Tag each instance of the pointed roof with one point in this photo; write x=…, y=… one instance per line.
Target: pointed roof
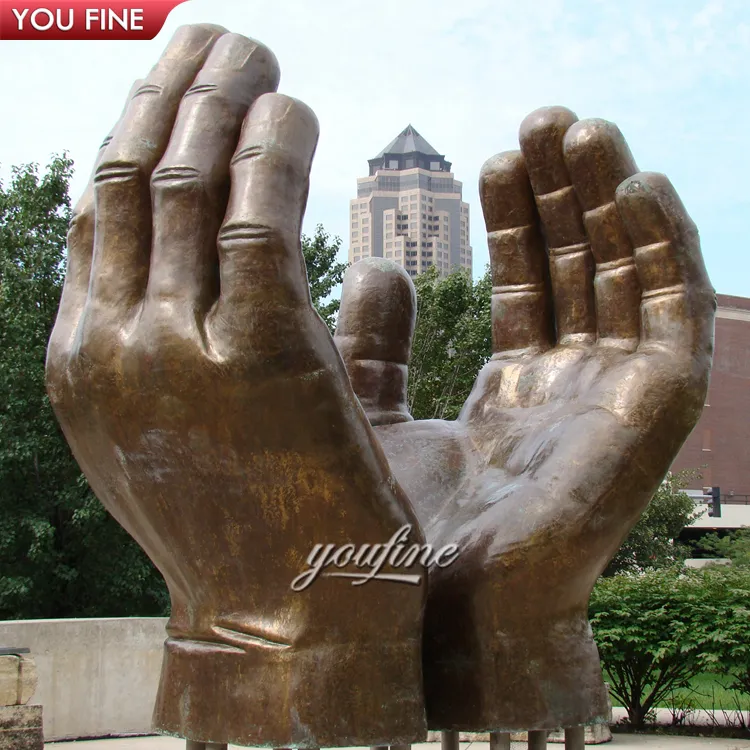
x=407, y=142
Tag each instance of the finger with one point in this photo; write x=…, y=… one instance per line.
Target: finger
x=678, y=298
x=373, y=335
x=570, y=259
x=521, y=303
x=80, y=247
x=262, y=270
x=598, y=160
x=190, y=186
x=122, y=184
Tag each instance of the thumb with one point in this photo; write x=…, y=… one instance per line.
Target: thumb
x=374, y=334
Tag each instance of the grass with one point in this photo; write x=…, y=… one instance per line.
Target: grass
x=708, y=692
x=712, y=691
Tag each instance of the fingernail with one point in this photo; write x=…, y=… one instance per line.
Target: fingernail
x=598, y=160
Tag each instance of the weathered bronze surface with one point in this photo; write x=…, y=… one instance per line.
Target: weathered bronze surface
x=213, y=415
x=211, y=412
x=602, y=333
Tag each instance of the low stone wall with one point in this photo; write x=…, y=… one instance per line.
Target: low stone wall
x=96, y=677
x=99, y=677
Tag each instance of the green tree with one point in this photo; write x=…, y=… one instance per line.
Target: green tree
x=452, y=341
x=658, y=630
x=735, y=546
x=61, y=553
x=732, y=620
x=653, y=542
x=323, y=272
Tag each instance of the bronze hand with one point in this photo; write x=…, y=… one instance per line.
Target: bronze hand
x=210, y=411
x=602, y=331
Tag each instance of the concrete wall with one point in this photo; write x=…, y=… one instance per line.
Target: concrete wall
x=96, y=677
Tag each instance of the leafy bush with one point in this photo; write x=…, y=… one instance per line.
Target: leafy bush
x=659, y=629
x=731, y=594
x=735, y=546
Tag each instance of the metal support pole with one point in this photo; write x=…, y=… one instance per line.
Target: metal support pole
x=538, y=740
x=499, y=741
x=575, y=738
x=400, y=747
x=449, y=740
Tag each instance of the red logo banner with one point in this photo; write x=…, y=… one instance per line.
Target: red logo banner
x=84, y=19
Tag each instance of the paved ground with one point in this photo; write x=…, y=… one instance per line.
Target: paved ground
x=618, y=741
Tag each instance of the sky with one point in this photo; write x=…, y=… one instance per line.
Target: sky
x=673, y=74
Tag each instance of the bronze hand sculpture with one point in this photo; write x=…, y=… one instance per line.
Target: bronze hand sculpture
x=207, y=404
x=602, y=333
x=213, y=416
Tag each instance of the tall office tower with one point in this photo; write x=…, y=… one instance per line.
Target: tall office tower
x=409, y=209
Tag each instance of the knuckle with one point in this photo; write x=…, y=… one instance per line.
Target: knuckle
x=201, y=88
x=148, y=88
x=117, y=170
x=176, y=175
x=105, y=143
x=245, y=232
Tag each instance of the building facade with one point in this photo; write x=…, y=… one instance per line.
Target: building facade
x=409, y=209
x=719, y=446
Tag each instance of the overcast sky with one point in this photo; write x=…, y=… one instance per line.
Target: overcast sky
x=673, y=74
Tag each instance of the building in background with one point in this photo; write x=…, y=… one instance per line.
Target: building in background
x=720, y=443
x=409, y=209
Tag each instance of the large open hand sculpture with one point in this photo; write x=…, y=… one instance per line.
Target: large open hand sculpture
x=212, y=414
x=602, y=333
x=208, y=406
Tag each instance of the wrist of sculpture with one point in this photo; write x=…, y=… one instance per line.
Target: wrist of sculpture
x=328, y=695
x=474, y=684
